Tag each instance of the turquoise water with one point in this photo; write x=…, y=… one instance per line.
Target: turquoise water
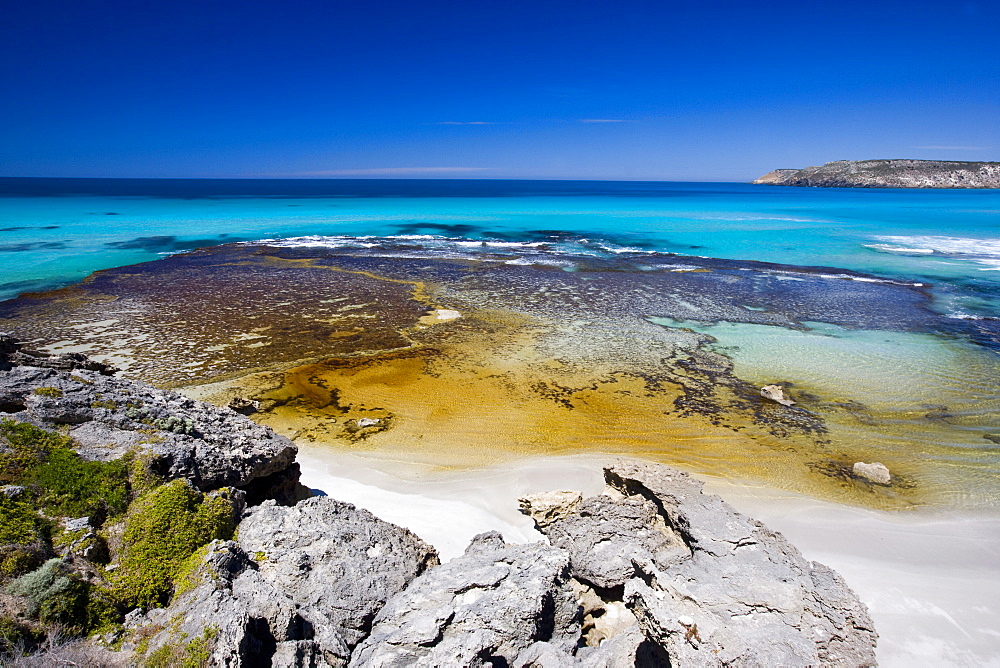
x=57, y=231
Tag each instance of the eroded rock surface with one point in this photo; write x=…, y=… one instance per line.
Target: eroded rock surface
x=108, y=416
x=244, y=619
x=337, y=561
x=744, y=595
x=547, y=507
x=481, y=609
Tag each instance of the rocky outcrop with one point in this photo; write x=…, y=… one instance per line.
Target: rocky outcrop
x=889, y=174
x=482, y=609
x=744, y=595
x=108, y=416
x=339, y=562
x=606, y=535
x=299, y=588
x=241, y=618
x=653, y=572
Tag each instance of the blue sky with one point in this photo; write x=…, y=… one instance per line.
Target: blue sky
x=627, y=90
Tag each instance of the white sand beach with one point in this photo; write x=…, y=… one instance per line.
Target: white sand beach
x=930, y=580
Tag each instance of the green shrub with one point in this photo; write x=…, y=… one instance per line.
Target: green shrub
x=29, y=446
x=16, y=637
x=19, y=523
x=103, y=611
x=66, y=483
x=194, y=654
x=72, y=486
x=54, y=595
x=53, y=392
x=25, y=537
x=163, y=528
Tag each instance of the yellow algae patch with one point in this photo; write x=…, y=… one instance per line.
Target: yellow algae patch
x=488, y=394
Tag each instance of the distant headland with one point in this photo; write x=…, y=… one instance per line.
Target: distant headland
x=889, y=174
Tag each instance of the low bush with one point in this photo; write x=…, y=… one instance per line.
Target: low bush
x=163, y=528
x=65, y=484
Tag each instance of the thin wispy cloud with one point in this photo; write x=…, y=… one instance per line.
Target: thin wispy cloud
x=950, y=148
x=606, y=120
x=463, y=123
x=392, y=171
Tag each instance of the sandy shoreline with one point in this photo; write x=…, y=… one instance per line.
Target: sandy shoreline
x=931, y=581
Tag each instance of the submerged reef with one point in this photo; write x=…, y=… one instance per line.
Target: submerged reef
x=178, y=564
x=407, y=349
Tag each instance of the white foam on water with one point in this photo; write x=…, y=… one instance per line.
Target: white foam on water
x=901, y=250
x=981, y=251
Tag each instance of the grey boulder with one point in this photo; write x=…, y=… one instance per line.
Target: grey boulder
x=481, y=609
x=339, y=564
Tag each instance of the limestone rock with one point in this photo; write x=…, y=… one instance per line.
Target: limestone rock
x=547, y=507
x=108, y=416
x=605, y=535
x=602, y=619
x=242, y=619
x=339, y=564
x=481, y=609
x=776, y=393
x=876, y=472
x=708, y=586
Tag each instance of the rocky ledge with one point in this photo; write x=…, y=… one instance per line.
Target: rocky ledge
x=889, y=174
x=205, y=566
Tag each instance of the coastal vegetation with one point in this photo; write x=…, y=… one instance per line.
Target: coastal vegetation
x=64, y=518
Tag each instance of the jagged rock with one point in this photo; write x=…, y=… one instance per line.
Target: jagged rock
x=547, y=507
x=602, y=619
x=876, y=472
x=338, y=563
x=605, y=535
x=481, y=609
x=776, y=393
x=625, y=650
x=243, y=619
x=283, y=487
x=244, y=406
x=108, y=416
x=744, y=596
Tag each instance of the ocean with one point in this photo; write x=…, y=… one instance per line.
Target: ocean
x=881, y=305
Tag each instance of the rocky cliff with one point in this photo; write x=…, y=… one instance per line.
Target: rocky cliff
x=889, y=174
x=211, y=556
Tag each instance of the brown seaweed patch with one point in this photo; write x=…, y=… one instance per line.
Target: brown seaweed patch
x=221, y=312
